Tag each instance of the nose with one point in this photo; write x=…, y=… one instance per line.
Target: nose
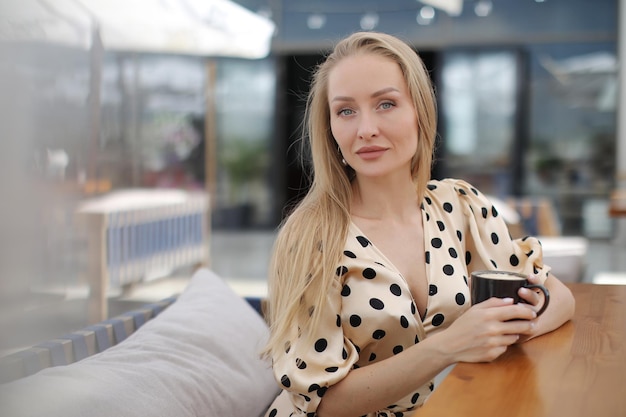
x=368, y=127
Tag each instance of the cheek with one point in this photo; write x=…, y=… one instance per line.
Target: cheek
x=413, y=137
x=340, y=131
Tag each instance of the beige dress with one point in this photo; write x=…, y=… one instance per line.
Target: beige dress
x=371, y=314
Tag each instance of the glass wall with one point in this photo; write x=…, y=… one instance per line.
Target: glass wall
x=155, y=110
x=152, y=121
x=537, y=121
x=571, y=152
x=245, y=117
x=479, y=107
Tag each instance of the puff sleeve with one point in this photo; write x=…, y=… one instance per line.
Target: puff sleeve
x=489, y=244
x=315, y=358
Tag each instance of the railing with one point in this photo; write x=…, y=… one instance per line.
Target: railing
x=138, y=235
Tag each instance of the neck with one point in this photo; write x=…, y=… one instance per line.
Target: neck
x=374, y=199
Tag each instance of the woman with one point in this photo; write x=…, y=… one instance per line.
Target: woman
x=368, y=295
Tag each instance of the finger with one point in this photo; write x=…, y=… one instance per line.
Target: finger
x=515, y=312
x=499, y=345
x=495, y=302
x=518, y=327
x=534, y=279
x=510, y=339
x=529, y=296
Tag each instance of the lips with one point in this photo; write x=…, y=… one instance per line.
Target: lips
x=370, y=152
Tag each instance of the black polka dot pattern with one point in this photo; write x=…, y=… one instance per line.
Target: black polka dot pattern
x=378, y=334
x=363, y=241
x=369, y=273
x=395, y=290
x=460, y=298
x=432, y=289
x=372, y=315
x=355, y=320
x=438, y=319
x=321, y=345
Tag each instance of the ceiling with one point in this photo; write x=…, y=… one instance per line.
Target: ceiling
x=314, y=25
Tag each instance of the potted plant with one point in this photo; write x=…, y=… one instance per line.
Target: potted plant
x=244, y=162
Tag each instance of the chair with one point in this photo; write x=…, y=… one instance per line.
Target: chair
x=536, y=216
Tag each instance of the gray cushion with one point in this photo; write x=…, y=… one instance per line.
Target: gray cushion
x=200, y=357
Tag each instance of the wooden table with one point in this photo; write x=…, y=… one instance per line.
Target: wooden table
x=577, y=370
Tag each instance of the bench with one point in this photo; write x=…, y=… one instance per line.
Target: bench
x=192, y=355
x=75, y=346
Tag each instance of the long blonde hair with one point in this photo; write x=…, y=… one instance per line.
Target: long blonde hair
x=310, y=243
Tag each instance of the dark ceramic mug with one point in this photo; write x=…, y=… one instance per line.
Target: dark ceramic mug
x=502, y=284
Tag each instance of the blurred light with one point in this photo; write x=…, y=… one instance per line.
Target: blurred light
x=539, y=1
x=452, y=7
x=369, y=21
x=483, y=8
x=316, y=21
x=426, y=15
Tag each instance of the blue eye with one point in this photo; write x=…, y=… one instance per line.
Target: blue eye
x=386, y=105
x=345, y=112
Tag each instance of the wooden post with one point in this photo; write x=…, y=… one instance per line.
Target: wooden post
x=97, y=302
x=210, y=149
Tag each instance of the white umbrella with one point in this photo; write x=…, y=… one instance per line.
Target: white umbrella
x=34, y=21
x=248, y=32
x=192, y=27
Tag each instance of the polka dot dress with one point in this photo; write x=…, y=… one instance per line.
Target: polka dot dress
x=371, y=314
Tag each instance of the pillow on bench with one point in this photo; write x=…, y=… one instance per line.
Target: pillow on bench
x=199, y=357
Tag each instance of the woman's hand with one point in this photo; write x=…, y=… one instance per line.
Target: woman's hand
x=560, y=309
x=485, y=331
x=532, y=299
x=531, y=296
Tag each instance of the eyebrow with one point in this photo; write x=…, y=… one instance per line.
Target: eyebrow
x=374, y=95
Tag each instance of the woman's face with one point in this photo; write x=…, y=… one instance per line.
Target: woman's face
x=372, y=116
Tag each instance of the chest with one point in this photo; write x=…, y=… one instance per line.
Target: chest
x=403, y=246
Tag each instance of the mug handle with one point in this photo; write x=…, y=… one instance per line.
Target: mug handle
x=546, y=294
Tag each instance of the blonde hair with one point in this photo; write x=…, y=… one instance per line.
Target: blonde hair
x=310, y=243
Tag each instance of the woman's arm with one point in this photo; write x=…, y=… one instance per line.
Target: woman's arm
x=481, y=334
x=559, y=311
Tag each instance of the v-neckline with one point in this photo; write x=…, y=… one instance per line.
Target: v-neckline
x=388, y=264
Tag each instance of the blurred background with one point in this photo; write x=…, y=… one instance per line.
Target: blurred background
x=143, y=138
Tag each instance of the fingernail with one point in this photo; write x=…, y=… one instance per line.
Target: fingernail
x=507, y=300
